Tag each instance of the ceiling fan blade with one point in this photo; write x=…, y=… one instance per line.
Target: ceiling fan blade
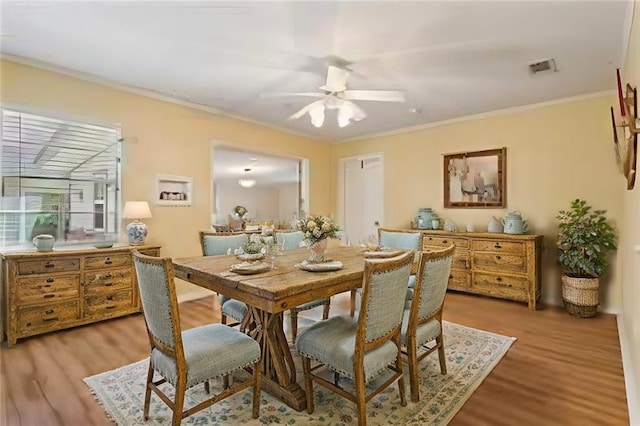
x=336, y=80
x=374, y=95
x=306, y=109
x=288, y=94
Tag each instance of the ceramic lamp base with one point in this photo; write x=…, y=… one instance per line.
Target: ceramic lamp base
x=136, y=233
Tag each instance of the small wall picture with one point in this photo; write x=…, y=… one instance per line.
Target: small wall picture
x=476, y=179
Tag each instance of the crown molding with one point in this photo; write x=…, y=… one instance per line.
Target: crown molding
x=91, y=78
x=480, y=116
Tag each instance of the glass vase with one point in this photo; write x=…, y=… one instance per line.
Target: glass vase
x=317, y=251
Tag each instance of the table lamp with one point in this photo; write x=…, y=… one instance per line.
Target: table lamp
x=136, y=230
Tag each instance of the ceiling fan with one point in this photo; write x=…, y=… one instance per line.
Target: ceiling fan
x=334, y=95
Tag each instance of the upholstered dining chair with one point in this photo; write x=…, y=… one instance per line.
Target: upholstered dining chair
x=289, y=241
x=187, y=358
x=398, y=240
x=363, y=348
x=422, y=322
x=214, y=244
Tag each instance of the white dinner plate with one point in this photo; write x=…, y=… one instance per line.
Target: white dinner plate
x=332, y=265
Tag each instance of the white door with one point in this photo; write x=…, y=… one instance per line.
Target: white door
x=362, y=198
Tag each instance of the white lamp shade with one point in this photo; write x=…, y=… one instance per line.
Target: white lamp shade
x=136, y=210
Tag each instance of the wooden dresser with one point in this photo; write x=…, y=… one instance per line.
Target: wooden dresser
x=499, y=265
x=47, y=291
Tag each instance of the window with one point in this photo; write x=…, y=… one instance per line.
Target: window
x=58, y=177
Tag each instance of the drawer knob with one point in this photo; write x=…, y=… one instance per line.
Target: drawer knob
x=444, y=241
x=49, y=265
x=106, y=277
x=498, y=257
x=49, y=311
x=109, y=297
x=108, y=261
x=450, y=277
x=498, y=246
x=49, y=296
x=108, y=284
x=50, y=280
x=499, y=279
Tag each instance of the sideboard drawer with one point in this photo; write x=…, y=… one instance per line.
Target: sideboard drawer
x=498, y=246
x=511, y=287
x=29, y=267
x=107, y=261
x=459, y=280
x=460, y=260
x=107, y=280
x=38, y=319
x=48, y=288
x=429, y=241
x=112, y=303
x=499, y=261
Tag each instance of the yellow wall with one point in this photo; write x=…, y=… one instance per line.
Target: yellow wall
x=554, y=154
x=631, y=237
x=169, y=139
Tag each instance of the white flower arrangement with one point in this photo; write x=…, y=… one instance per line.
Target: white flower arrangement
x=318, y=228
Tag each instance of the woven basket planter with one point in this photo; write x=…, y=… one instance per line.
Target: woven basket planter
x=581, y=296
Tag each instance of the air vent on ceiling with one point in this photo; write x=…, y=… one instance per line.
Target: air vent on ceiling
x=546, y=65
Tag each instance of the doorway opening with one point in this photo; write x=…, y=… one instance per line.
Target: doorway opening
x=273, y=189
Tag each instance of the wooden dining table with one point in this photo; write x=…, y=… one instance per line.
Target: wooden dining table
x=268, y=295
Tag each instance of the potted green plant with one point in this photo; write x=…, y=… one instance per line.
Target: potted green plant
x=46, y=223
x=585, y=236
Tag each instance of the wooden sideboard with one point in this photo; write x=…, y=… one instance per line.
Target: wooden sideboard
x=48, y=291
x=499, y=265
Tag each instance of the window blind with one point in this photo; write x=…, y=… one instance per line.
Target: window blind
x=57, y=170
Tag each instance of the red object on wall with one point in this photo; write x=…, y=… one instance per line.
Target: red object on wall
x=622, y=109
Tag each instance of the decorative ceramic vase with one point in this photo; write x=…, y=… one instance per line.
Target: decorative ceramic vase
x=495, y=225
x=317, y=251
x=136, y=233
x=424, y=218
x=513, y=223
x=44, y=242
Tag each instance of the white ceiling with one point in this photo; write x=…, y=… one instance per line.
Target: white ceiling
x=451, y=58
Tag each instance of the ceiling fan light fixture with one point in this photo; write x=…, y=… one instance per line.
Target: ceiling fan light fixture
x=246, y=181
x=317, y=115
x=345, y=114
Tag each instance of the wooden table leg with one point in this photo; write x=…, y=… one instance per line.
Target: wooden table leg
x=278, y=368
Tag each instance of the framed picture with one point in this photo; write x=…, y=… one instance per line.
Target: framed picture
x=476, y=179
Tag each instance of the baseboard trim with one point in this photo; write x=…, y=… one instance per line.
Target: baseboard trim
x=631, y=378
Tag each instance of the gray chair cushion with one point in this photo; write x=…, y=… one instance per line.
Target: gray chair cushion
x=332, y=343
x=210, y=351
x=425, y=332
x=235, y=309
x=310, y=305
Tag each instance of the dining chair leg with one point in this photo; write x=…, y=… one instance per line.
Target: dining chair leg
x=412, y=360
x=403, y=396
x=441, y=356
x=178, y=403
x=257, y=377
x=308, y=383
x=147, y=393
x=352, y=307
x=361, y=402
x=223, y=319
x=294, y=325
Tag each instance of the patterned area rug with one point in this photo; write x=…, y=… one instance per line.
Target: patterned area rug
x=471, y=355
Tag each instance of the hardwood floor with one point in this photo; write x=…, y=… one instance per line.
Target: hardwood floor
x=561, y=370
